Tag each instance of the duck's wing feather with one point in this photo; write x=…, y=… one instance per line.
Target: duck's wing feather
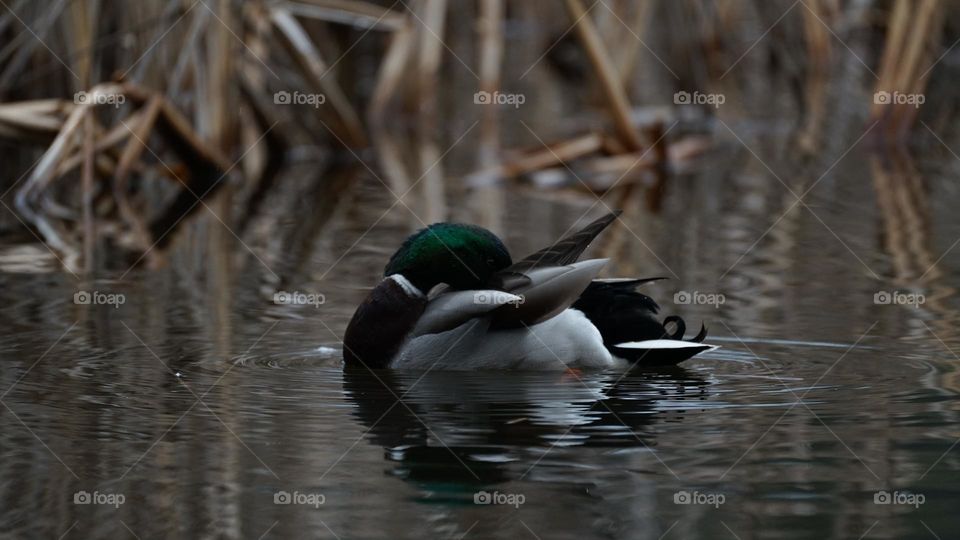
x=565, y=252
x=549, y=291
x=451, y=309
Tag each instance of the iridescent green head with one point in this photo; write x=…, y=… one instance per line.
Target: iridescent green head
x=462, y=256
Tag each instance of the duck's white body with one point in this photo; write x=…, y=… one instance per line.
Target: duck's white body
x=567, y=340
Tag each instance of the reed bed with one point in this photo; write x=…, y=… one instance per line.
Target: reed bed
x=139, y=114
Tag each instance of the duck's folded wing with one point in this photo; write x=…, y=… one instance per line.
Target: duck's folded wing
x=451, y=309
x=565, y=252
x=548, y=291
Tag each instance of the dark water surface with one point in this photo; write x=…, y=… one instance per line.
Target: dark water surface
x=202, y=406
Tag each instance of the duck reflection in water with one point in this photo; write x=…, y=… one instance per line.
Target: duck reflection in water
x=453, y=433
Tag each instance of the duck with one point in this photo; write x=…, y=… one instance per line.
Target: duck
x=452, y=298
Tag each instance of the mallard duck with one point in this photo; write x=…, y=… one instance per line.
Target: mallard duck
x=452, y=298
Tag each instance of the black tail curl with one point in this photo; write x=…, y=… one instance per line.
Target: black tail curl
x=623, y=315
x=681, y=329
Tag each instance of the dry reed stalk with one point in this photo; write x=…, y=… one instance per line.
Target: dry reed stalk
x=913, y=32
x=102, y=143
x=151, y=67
x=602, y=171
x=613, y=146
x=903, y=205
x=276, y=146
x=36, y=119
x=613, y=20
x=720, y=26
x=255, y=120
x=542, y=158
x=391, y=73
x=187, y=57
x=606, y=23
x=390, y=155
x=139, y=133
x=431, y=47
x=224, y=123
x=290, y=253
x=489, y=203
x=430, y=50
x=389, y=77
x=205, y=164
x=89, y=228
x=554, y=154
x=625, y=56
x=222, y=100
x=42, y=173
x=178, y=132
x=490, y=30
x=616, y=97
x=350, y=12
x=656, y=192
x=818, y=62
x=30, y=192
x=920, y=55
x=80, y=142
x=898, y=25
x=344, y=120
x=24, y=52
x=434, y=199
